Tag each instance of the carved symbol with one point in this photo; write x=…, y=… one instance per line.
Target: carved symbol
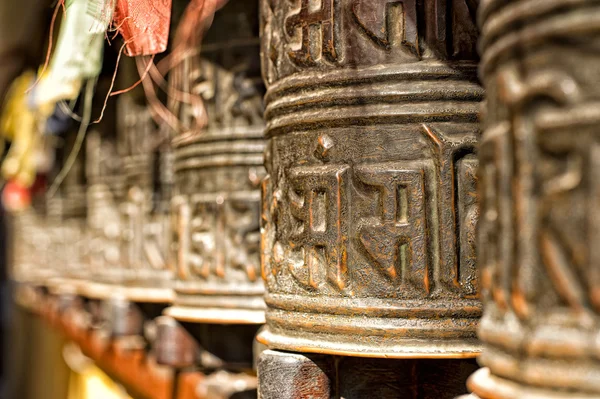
x=181, y=240
x=464, y=28
x=397, y=241
x=208, y=225
x=468, y=216
x=388, y=23
x=154, y=243
x=306, y=18
x=318, y=205
x=223, y=235
x=447, y=152
x=530, y=177
x=244, y=235
x=496, y=216
x=266, y=223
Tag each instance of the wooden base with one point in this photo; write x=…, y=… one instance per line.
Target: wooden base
x=127, y=359
x=285, y=375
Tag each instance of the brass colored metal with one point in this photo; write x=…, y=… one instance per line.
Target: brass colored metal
x=370, y=207
x=216, y=202
x=538, y=236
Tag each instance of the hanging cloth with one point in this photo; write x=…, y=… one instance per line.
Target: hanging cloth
x=78, y=54
x=144, y=25
x=18, y=125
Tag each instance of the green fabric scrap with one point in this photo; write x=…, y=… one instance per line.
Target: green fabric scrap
x=78, y=54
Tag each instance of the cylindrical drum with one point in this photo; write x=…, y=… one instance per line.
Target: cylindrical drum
x=146, y=277
x=104, y=224
x=66, y=212
x=370, y=207
x=539, y=218
x=30, y=248
x=217, y=173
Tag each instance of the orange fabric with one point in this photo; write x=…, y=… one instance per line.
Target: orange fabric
x=144, y=25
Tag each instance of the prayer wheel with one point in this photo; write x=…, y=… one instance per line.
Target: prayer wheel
x=539, y=219
x=106, y=188
x=146, y=277
x=66, y=213
x=217, y=174
x=369, y=207
x=217, y=152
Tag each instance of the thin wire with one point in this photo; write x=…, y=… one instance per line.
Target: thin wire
x=68, y=111
x=159, y=112
x=50, y=41
x=150, y=63
x=85, y=122
x=112, y=83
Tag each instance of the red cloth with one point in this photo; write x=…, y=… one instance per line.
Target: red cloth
x=144, y=25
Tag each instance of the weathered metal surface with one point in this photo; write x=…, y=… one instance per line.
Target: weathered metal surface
x=144, y=239
x=218, y=169
x=30, y=248
x=65, y=220
x=369, y=207
x=106, y=191
x=48, y=239
x=538, y=236
x=67, y=249
x=284, y=375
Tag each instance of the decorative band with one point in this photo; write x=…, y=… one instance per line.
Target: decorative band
x=420, y=92
x=530, y=35
x=375, y=307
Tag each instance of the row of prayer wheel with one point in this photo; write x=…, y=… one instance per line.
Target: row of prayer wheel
x=344, y=226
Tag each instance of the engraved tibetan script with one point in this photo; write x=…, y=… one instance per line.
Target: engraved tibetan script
x=397, y=240
x=412, y=222
x=335, y=31
x=395, y=23
x=318, y=204
x=303, y=22
x=220, y=235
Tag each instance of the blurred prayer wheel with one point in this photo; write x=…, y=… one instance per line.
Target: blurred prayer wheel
x=539, y=227
x=370, y=207
x=30, y=248
x=146, y=277
x=106, y=191
x=66, y=213
x=217, y=174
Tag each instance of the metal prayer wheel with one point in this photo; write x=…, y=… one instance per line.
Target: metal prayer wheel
x=369, y=207
x=146, y=277
x=538, y=238
x=66, y=213
x=217, y=174
x=30, y=247
x=106, y=191
x=67, y=245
